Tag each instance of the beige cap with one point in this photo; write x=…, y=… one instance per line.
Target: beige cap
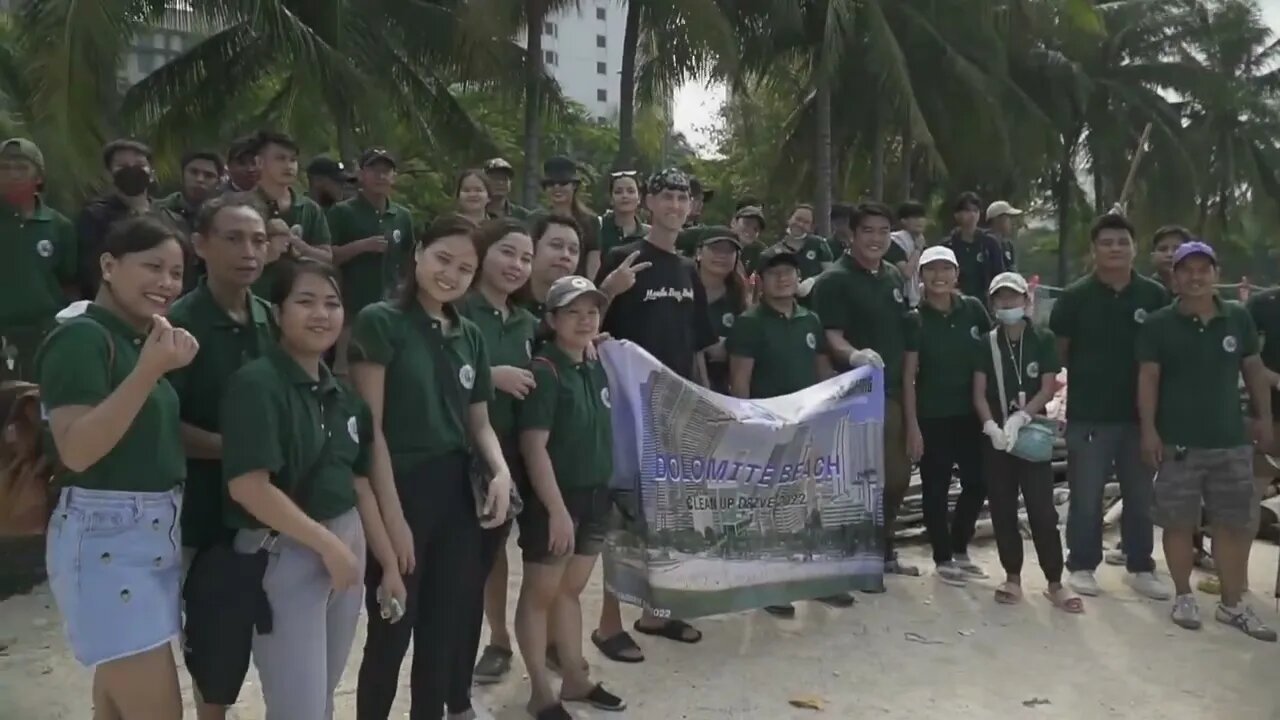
x=1001, y=207
x=1011, y=280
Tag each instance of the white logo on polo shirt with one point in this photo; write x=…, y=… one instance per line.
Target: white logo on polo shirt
x=897, y=295
x=1229, y=343
x=1033, y=369
x=528, y=349
x=395, y=236
x=604, y=397
x=44, y=248
x=727, y=320
x=1139, y=316
x=811, y=341
x=973, y=331
x=467, y=376
x=811, y=254
x=353, y=429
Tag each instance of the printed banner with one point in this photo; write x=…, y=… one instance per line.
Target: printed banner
x=733, y=504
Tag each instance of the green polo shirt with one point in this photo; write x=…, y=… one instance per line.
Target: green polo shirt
x=225, y=347
x=509, y=341
x=302, y=211
x=1102, y=325
x=813, y=253
x=750, y=255
x=513, y=211
x=571, y=401
x=945, y=344
x=37, y=258
x=178, y=211
x=611, y=235
x=869, y=309
x=275, y=418
x=1199, y=401
x=418, y=420
x=785, y=348
x=81, y=363
x=1023, y=363
x=1264, y=307
x=368, y=277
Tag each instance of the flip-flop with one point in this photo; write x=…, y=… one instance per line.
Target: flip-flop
x=613, y=647
x=1066, y=601
x=600, y=699
x=553, y=712
x=1009, y=594
x=671, y=630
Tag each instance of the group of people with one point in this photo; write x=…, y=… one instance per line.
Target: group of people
x=269, y=413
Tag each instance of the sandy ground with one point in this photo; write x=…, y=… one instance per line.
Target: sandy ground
x=1123, y=659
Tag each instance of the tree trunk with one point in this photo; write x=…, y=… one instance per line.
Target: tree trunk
x=877, y=161
x=1063, y=194
x=626, y=157
x=822, y=159
x=536, y=11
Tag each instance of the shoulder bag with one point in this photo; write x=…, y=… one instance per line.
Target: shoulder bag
x=1035, y=440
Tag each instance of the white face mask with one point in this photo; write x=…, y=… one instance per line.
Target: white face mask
x=1010, y=316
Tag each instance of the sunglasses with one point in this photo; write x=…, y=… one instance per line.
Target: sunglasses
x=559, y=183
x=624, y=174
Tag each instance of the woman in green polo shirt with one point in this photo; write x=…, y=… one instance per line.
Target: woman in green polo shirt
x=566, y=439
x=621, y=224
x=562, y=185
x=471, y=193
x=423, y=370
x=114, y=540
x=506, y=254
x=727, y=297
x=942, y=430
x=1006, y=398
x=557, y=252
x=295, y=457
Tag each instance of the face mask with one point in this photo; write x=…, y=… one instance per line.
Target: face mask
x=1010, y=316
x=19, y=194
x=132, y=180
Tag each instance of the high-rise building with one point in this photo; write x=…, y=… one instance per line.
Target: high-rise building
x=582, y=50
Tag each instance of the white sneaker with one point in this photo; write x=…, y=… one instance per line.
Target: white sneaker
x=950, y=574
x=1186, y=613
x=1148, y=585
x=970, y=567
x=1244, y=619
x=1083, y=582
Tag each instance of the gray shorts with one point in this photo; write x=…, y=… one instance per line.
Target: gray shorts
x=1220, y=479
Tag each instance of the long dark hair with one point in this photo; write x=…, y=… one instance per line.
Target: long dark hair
x=489, y=234
x=736, y=287
x=444, y=226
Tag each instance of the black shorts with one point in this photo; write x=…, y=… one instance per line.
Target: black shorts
x=590, y=511
x=220, y=610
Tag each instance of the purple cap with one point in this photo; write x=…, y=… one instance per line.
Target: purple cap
x=1195, y=247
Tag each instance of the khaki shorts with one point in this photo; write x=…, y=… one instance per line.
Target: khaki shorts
x=1219, y=479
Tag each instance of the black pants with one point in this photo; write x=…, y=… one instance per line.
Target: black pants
x=1006, y=477
x=951, y=442
x=443, y=593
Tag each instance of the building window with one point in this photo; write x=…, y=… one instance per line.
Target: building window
x=550, y=57
x=600, y=14
x=549, y=29
x=602, y=69
x=601, y=41
x=602, y=95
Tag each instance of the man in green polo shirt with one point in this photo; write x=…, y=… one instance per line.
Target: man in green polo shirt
x=37, y=259
x=748, y=223
x=1164, y=243
x=372, y=236
x=202, y=170
x=1096, y=322
x=278, y=172
x=500, y=174
x=864, y=311
x=233, y=327
x=1192, y=354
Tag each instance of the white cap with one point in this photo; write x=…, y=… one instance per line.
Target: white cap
x=936, y=253
x=1000, y=207
x=1011, y=280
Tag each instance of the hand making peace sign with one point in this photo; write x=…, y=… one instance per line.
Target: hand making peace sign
x=624, y=276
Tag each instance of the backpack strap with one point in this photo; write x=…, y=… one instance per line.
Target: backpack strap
x=550, y=365
x=998, y=365
x=82, y=320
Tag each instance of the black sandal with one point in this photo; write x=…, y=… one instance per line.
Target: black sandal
x=600, y=699
x=553, y=712
x=672, y=630
x=614, y=647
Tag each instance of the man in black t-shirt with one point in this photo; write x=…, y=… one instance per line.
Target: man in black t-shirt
x=663, y=310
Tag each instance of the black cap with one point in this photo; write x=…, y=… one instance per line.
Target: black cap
x=325, y=166
x=778, y=255
x=751, y=211
x=498, y=165
x=669, y=179
x=695, y=189
x=377, y=154
x=560, y=169
x=719, y=233
x=241, y=147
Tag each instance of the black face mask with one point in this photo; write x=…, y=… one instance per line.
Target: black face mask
x=132, y=180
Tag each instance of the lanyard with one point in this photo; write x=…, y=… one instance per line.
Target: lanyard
x=1019, y=368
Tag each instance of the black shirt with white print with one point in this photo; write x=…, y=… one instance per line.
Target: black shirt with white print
x=665, y=312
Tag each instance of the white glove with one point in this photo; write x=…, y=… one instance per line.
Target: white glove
x=806, y=287
x=858, y=358
x=998, y=438
x=1015, y=423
